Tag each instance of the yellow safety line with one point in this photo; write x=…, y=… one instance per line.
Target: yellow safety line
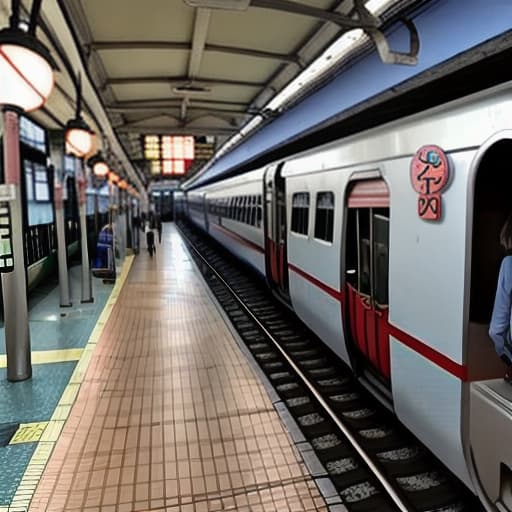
x=35, y=468
x=49, y=356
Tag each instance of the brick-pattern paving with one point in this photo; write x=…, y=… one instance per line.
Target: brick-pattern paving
x=170, y=415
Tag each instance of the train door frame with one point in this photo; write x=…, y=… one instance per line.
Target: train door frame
x=482, y=274
x=365, y=315
x=276, y=231
x=488, y=175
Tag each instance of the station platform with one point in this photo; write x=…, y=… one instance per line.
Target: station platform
x=164, y=411
x=58, y=339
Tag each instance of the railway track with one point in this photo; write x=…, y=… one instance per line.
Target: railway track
x=373, y=461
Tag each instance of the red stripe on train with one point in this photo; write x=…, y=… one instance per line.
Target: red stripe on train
x=455, y=369
x=326, y=288
x=239, y=238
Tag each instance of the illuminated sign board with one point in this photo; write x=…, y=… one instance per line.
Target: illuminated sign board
x=170, y=155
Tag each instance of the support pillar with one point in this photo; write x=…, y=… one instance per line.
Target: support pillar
x=14, y=284
x=82, y=205
x=112, y=222
x=121, y=224
x=129, y=224
x=57, y=160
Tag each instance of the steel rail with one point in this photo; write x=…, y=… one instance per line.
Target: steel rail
x=376, y=471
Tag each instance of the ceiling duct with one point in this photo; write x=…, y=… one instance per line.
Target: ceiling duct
x=190, y=89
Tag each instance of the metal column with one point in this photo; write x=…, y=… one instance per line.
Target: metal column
x=57, y=160
x=14, y=284
x=81, y=184
x=112, y=222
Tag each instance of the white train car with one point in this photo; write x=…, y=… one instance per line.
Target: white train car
x=386, y=244
x=235, y=216
x=196, y=209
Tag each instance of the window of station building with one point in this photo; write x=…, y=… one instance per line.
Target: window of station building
x=33, y=152
x=300, y=213
x=32, y=135
x=324, y=216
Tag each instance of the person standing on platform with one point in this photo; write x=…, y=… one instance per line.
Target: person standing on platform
x=159, y=228
x=500, y=328
x=150, y=240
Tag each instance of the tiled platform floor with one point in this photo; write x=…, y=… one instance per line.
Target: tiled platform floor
x=170, y=415
x=57, y=343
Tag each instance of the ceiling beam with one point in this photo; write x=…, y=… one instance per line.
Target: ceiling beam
x=183, y=109
x=366, y=19
x=169, y=102
x=190, y=108
x=178, y=80
x=176, y=130
x=201, y=24
x=175, y=45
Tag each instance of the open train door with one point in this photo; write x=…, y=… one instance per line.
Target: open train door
x=366, y=271
x=276, y=259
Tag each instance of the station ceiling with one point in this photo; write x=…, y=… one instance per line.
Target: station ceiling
x=188, y=67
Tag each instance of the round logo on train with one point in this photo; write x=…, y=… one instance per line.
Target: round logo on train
x=430, y=173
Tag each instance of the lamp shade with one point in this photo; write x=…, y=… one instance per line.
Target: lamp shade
x=26, y=70
x=100, y=169
x=79, y=138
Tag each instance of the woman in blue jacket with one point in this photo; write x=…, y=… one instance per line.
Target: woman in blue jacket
x=499, y=330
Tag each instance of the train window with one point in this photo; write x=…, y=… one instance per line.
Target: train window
x=247, y=216
x=259, y=212
x=248, y=209
x=300, y=213
x=381, y=254
x=237, y=208
x=254, y=207
x=243, y=209
x=324, y=216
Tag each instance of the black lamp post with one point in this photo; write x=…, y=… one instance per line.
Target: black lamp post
x=26, y=71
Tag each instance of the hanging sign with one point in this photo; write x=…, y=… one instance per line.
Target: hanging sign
x=430, y=173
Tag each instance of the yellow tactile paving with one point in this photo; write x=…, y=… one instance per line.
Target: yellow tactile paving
x=53, y=428
x=49, y=356
x=170, y=415
x=29, y=432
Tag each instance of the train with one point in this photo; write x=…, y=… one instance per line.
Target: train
x=385, y=243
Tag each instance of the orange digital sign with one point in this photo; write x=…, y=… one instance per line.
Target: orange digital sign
x=170, y=155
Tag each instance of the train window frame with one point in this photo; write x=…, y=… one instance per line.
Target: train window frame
x=238, y=208
x=377, y=214
x=247, y=216
x=259, y=213
x=299, y=217
x=322, y=224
